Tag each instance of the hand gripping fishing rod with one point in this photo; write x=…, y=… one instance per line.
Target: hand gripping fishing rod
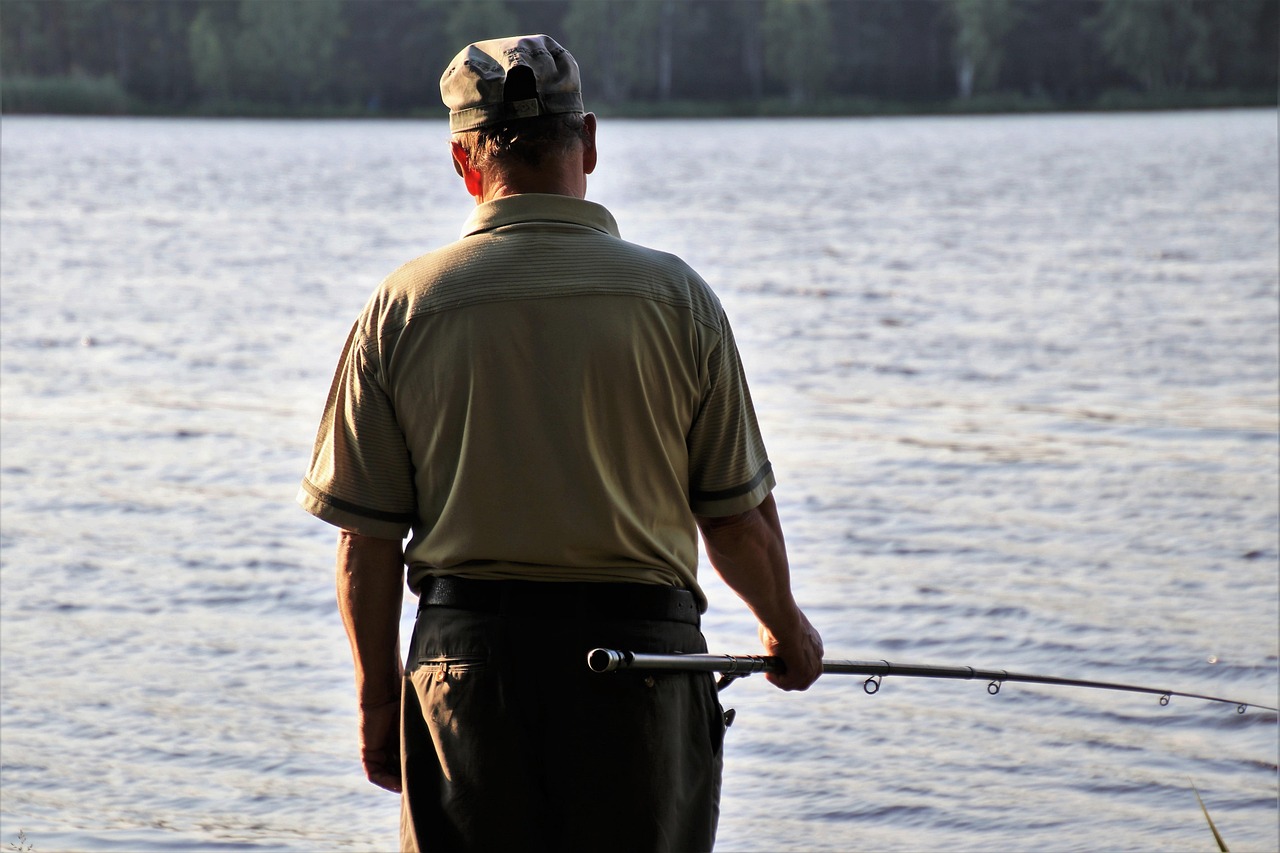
x=731, y=667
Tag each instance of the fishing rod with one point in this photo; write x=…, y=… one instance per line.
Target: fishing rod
x=732, y=667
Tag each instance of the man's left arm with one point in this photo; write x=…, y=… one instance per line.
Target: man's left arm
x=370, y=586
x=747, y=550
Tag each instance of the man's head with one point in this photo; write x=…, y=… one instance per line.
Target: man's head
x=515, y=112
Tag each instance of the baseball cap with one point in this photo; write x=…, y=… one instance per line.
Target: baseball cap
x=499, y=80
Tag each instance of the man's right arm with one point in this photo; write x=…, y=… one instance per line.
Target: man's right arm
x=747, y=550
x=370, y=588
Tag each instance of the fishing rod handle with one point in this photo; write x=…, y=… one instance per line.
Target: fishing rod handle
x=612, y=660
x=606, y=660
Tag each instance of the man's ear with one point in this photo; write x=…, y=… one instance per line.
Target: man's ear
x=458, y=156
x=589, y=148
x=462, y=165
x=461, y=162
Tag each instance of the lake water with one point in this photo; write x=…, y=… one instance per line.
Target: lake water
x=1017, y=375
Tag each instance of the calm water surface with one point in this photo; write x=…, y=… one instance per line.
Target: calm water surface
x=1018, y=377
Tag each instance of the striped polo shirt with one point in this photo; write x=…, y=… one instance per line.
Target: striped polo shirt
x=540, y=400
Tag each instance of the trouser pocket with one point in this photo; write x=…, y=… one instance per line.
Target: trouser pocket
x=439, y=668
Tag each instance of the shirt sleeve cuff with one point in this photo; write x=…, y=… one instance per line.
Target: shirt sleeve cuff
x=349, y=517
x=734, y=501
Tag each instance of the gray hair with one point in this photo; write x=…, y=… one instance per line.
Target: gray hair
x=526, y=141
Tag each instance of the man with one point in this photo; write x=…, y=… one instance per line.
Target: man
x=551, y=413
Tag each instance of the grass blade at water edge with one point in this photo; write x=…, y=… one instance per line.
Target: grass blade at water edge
x=1222, y=845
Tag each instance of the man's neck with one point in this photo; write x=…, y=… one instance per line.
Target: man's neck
x=519, y=180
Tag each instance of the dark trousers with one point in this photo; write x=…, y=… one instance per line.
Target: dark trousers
x=510, y=743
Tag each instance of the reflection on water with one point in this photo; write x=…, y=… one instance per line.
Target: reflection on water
x=1017, y=375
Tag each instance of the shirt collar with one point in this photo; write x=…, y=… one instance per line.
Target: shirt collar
x=539, y=207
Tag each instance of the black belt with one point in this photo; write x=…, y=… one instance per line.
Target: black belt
x=554, y=599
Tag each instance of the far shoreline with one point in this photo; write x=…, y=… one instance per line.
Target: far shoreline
x=103, y=97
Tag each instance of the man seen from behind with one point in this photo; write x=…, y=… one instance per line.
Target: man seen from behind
x=548, y=413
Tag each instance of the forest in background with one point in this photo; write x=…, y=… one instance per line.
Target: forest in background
x=641, y=57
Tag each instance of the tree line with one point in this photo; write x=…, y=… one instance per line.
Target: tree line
x=659, y=57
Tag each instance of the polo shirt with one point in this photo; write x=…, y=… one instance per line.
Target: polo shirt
x=540, y=400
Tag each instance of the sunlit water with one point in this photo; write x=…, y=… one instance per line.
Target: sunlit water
x=1018, y=378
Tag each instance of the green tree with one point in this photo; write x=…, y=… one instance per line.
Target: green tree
x=1235, y=32
x=52, y=38
x=392, y=59
x=1162, y=44
x=746, y=16
x=284, y=50
x=25, y=46
x=797, y=46
x=615, y=44
x=150, y=41
x=981, y=29
x=207, y=49
x=478, y=20
x=1051, y=54
x=664, y=55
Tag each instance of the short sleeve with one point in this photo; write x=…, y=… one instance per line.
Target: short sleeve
x=361, y=475
x=729, y=471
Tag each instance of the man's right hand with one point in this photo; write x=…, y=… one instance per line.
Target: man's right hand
x=800, y=649
x=380, y=745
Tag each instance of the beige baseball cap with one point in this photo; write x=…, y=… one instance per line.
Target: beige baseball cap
x=497, y=81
